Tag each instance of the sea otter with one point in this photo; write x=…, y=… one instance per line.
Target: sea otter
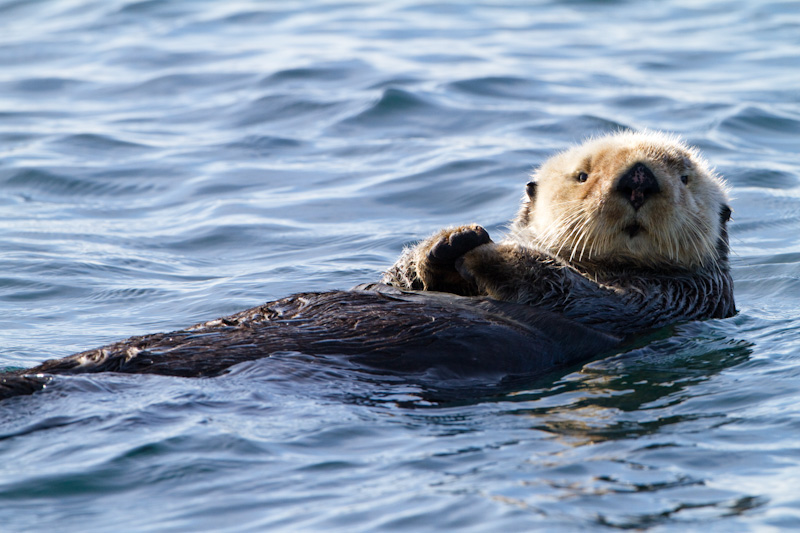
x=615, y=237
x=624, y=233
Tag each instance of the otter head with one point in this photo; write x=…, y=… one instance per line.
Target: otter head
x=638, y=199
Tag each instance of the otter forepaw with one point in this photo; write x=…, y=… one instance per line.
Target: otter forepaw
x=450, y=247
x=499, y=270
x=464, y=270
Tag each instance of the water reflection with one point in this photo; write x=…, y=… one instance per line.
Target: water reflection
x=635, y=394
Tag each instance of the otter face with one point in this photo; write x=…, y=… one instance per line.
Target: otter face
x=644, y=199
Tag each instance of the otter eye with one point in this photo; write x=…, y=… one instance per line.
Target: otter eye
x=582, y=177
x=685, y=179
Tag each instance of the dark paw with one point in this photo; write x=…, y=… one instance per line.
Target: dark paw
x=447, y=250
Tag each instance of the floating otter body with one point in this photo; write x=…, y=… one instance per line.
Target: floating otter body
x=434, y=336
x=623, y=234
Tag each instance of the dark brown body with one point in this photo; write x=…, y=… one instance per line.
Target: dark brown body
x=424, y=334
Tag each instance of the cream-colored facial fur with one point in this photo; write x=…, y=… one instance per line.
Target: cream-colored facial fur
x=575, y=209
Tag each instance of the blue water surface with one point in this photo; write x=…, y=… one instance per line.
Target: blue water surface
x=167, y=162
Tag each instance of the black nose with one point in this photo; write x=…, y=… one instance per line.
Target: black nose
x=637, y=185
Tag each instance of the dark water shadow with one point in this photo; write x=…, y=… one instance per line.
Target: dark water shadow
x=652, y=370
x=641, y=385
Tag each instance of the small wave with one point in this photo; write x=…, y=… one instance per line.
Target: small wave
x=758, y=126
x=124, y=295
x=261, y=145
x=181, y=84
x=154, y=8
x=761, y=177
x=453, y=188
x=575, y=128
x=34, y=182
x=643, y=101
x=405, y=113
x=224, y=237
x=43, y=85
x=318, y=73
x=394, y=104
x=253, y=18
x=151, y=58
x=29, y=291
x=788, y=258
x=501, y=87
x=282, y=108
x=97, y=146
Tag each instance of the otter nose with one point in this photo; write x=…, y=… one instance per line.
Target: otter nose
x=637, y=185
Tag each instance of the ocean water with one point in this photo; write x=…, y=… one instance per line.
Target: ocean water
x=167, y=162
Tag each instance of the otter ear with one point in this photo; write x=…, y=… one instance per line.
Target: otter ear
x=725, y=213
x=530, y=190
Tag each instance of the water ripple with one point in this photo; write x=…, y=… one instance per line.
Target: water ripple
x=766, y=128
x=163, y=163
